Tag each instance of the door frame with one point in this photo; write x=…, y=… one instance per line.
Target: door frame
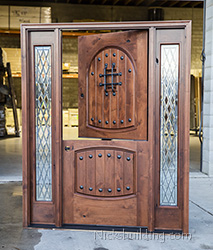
x=57, y=163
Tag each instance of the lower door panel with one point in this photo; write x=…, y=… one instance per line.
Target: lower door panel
x=105, y=211
x=100, y=183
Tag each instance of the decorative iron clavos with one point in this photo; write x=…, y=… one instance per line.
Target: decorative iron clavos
x=100, y=190
x=81, y=187
x=118, y=189
x=100, y=155
x=92, y=119
x=106, y=54
x=92, y=73
x=109, y=190
x=99, y=121
x=90, y=189
x=129, y=70
x=119, y=157
x=128, y=188
x=128, y=158
x=109, y=155
x=129, y=120
x=122, y=121
x=114, y=122
x=114, y=54
x=106, y=122
x=122, y=57
x=99, y=59
x=81, y=158
x=90, y=156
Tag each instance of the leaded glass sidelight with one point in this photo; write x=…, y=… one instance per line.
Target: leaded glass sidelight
x=43, y=123
x=169, y=124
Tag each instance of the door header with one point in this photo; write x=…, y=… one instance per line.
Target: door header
x=108, y=25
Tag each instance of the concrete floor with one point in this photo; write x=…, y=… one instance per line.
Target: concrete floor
x=11, y=159
x=13, y=236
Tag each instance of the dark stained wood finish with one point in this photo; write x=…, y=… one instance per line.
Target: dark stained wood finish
x=105, y=168
x=57, y=126
x=100, y=115
x=100, y=172
x=186, y=130
x=26, y=154
x=137, y=25
x=175, y=213
x=69, y=205
x=99, y=112
x=150, y=174
x=48, y=215
x=105, y=212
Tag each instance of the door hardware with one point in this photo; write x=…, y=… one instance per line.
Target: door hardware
x=112, y=83
x=67, y=148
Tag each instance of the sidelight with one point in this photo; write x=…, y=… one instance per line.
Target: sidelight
x=169, y=124
x=43, y=123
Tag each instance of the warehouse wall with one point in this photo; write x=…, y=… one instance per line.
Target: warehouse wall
x=72, y=12
x=196, y=15
x=69, y=13
x=208, y=94
x=9, y=41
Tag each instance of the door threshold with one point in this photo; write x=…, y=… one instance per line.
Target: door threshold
x=135, y=229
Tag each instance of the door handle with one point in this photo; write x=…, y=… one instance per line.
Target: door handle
x=67, y=148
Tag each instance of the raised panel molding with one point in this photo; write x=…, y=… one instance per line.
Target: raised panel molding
x=111, y=90
x=105, y=172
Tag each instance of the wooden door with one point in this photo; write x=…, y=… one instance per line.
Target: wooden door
x=113, y=85
x=101, y=177
x=133, y=96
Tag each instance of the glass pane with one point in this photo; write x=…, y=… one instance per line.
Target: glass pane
x=43, y=123
x=169, y=124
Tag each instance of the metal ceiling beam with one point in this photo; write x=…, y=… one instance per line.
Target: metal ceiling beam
x=162, y=3
x=127, y=2
x=150, y=2
x=194, y=4
x=115, y=2
x=191, y=1
x=138, y=2
x=174, y=3
x=184, y=4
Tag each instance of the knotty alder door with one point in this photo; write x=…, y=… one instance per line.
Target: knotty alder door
x=113, y=85
x=129, y=166
x=105, y=189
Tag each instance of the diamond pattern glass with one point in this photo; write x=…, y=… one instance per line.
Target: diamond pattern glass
x=169, y=125
x=43, y=123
